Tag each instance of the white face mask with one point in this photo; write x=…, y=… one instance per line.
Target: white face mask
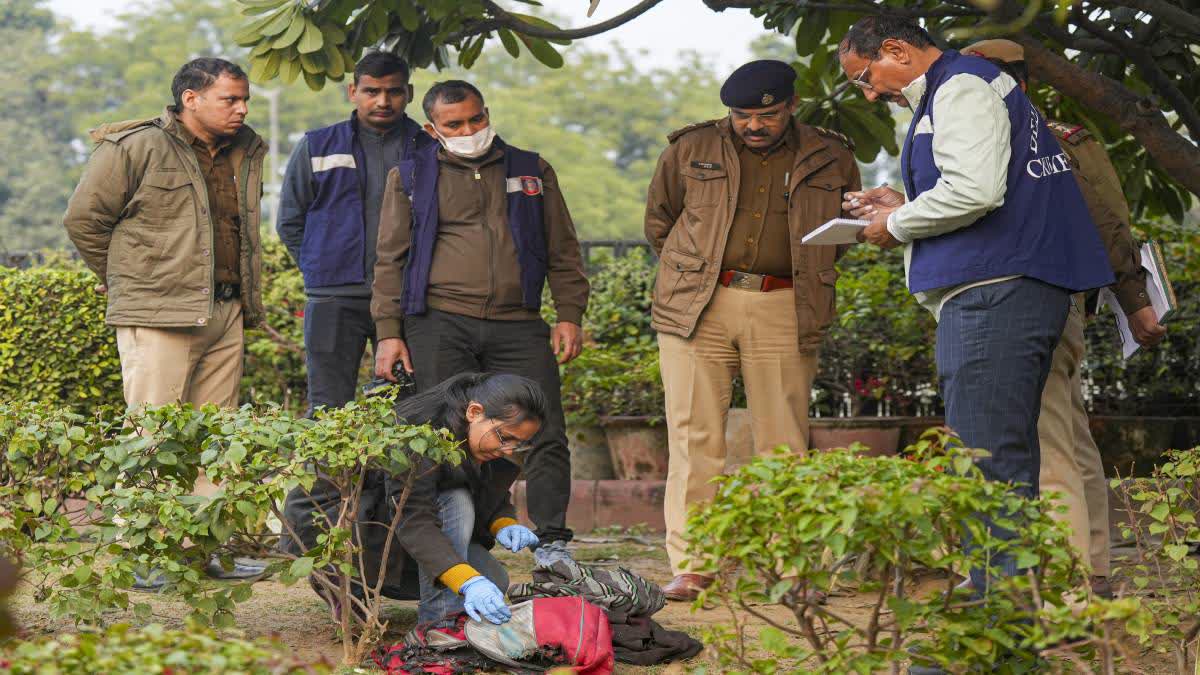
x=469, y=147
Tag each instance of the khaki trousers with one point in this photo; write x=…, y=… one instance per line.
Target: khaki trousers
x=750, y=332
x=1071, y=462
x=185, y=365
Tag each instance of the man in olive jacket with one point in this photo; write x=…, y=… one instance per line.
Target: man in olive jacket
x=736, y=291
x=167, y=215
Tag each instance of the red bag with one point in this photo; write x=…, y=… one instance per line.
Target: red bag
x=548, y=633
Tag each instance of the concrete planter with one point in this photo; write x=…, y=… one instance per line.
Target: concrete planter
x=638, y=447
x=590, y=456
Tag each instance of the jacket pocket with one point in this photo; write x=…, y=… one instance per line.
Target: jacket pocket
x=824, y=298
x=680, y=277
x=165, y=198
x=703, y=187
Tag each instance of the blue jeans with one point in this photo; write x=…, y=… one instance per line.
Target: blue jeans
x=458, y=521
x=994, y=348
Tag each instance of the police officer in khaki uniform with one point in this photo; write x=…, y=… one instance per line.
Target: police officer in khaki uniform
x=1071, y=462
x=736, y=292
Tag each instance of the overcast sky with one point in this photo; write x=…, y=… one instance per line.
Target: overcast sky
x=670, y=27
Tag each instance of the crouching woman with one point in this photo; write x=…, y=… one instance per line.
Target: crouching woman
x=454, y=514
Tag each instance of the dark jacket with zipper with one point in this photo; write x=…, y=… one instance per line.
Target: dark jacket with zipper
x=475, y=270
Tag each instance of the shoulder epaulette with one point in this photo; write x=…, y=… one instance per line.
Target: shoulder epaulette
x=115, y=133
x=690, y=128
x=838, y=136
x=1071, y=133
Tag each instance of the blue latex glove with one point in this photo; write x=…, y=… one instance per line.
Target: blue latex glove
x=516, y=537
x=484, y=600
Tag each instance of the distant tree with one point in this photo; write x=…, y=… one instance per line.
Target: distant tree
x=35, y=132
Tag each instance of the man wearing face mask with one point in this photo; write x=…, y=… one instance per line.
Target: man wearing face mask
x=470, y=231
x=329, y=218
x=730, y=202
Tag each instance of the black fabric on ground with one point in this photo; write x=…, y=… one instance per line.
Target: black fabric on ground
x=641, y=641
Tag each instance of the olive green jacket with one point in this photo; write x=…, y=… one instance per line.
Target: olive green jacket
x=140, y=219
x=689, y=213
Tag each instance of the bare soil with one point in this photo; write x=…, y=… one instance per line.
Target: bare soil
x=300, y=619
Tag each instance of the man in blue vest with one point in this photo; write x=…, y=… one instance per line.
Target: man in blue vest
x=470, y=231
x=329, y=220
x=996, y=234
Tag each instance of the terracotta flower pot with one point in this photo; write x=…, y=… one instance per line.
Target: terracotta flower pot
x=880, y=434
x=638, y=447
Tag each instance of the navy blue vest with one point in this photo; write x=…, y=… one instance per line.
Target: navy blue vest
x=1042, y=230
x=333, y=251
x=524, y=190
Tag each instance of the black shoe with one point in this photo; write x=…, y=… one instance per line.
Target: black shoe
x=241, y=571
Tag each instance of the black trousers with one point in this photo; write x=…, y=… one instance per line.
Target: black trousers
x=336, y=332
x=442, y=344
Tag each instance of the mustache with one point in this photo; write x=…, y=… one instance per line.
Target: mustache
x=756, y=134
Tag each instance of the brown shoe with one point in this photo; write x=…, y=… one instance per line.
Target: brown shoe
x=685, y=587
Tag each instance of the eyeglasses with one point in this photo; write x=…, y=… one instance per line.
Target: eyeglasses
x=512, y=445
x=859, y=82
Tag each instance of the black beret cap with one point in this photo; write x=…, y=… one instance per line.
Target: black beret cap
x=759, y=84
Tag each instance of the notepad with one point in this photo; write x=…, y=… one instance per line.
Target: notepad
x=836, y=231
x=1158, y=290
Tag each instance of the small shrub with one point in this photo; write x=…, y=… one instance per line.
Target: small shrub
x=786, y=525
x=122, y=650
x=1162, y=524
x=137, y=474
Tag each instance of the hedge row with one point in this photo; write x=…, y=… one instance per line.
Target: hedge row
x=878, y=356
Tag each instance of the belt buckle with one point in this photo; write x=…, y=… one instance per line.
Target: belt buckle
x=746, y=281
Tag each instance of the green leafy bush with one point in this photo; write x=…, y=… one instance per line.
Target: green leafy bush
x=786, y=525
x=613, y=380
x=123, y=650
x=137, y=474
x=54, y=345
x=619, y=305
x=1162, y=523
x=275, y=371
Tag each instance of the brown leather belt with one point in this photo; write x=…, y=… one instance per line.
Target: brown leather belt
x=753, y=282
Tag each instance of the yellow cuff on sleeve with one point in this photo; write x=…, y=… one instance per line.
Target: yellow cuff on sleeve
x=501, y=523
x=456, y=576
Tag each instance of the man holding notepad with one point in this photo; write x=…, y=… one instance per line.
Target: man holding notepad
x=996, y=233
x=736, y=291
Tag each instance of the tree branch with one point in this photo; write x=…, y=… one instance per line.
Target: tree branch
x=503, y=19
x=1175, y=16
x=1133, y=113
x=859, y=8
x=1145, y=63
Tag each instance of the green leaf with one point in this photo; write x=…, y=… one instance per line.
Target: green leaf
x=1176, y=552
x=281, y=22
x=509, y=41
x=301, y=567
x=312, y=40
x=542, y=51
x=288, y=37
x=34, y=501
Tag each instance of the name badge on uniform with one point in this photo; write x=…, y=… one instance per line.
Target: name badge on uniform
x=706, y=165
x=530, y=185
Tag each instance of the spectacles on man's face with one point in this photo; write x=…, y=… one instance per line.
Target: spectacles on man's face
x=861, y=83
x=510, y=444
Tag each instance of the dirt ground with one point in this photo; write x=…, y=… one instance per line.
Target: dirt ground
x=301, y=620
